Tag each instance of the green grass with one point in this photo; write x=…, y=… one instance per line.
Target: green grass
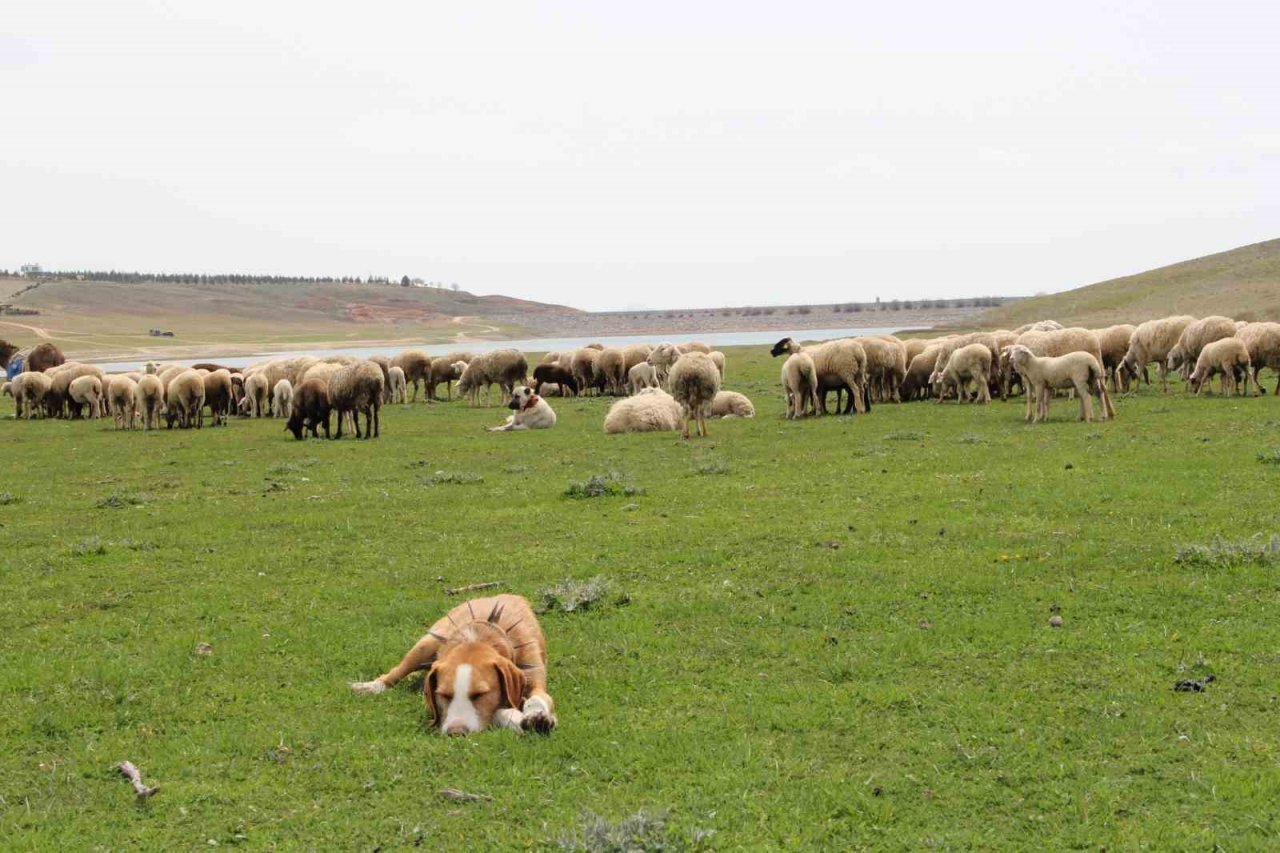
x=840, y=639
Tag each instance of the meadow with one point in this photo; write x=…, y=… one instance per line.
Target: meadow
x=825, y=634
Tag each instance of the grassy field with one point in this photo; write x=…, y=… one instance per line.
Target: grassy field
x=1242, y=283
x=824, y=634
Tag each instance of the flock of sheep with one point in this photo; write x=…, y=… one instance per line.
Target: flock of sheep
x=667, y=386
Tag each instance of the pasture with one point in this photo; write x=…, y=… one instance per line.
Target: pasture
x=830, y=633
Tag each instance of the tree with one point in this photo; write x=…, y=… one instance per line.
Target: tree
x=455, y=287
x=404, y=281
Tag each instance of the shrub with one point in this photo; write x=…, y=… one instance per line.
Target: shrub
x=118, y=501
x=89, y=546
x=570, y=596
x=601, y=486
x=457, y=478
x=8, y=498
x=643, y=831
x=1266, y=457
x=1221, y=553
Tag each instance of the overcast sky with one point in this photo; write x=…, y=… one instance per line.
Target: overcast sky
x=652, y=154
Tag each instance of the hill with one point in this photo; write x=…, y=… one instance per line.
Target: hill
x=1242, y=283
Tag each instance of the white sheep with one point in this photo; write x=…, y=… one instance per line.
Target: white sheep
x=85, y=391
x=184, y=400
x=800, y=384
x=1079, y=370
x=121, y=393
x=970, y=363
x=1224, y=356
x=1195, y=337
x=840, y=365
x=1152, y=341
x=652, y=410
x=148, y=401
x=642, y=375
x=718, y=358
x=34, y=389
x=282, y=397
x=256, y=390
x=395, y=375
x=1263, y=343
x=694, y=383
x=662, y=357
x=731, y=404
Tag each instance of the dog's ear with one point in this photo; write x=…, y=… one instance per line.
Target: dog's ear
x=511, y=681
x=429, y=685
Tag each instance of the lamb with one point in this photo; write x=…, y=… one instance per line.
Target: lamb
x=840, y=365
x=731, y=404
x=416, y=365
x=85, y=391
x=583, y=366
x=506, y=368
x=1224, y=356
x=310, y=408
x=148, y=401
x=1195, y=337
x=184, y=400
x=1079, y=370
x=396, y=385
x=556, y=373
x=632, y=354
x=800, y=384
x=694, y=383
x=643, y=375
x=1114, y=341
x=718, y=358
x=1153, y=341
x=256, y=390
x=357, y=388
x=34, y=390
x=652, y=410
x=1055, y=343
x=282, y=396
x=1263, y=342
x=662, y=357
x=121, y=392
x=611, y=365
x=970, y=362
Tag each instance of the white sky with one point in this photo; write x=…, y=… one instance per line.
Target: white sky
x=655, y=154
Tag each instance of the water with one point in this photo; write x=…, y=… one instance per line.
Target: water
x=715, y=339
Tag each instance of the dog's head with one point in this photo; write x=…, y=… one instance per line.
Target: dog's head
x=468, y=685
x=522, y=398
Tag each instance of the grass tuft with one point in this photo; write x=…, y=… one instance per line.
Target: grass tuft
x=115, y=500
x=643, y=831
x=455, y=478
x=8, y=498
x=715, y=466
x=1269, y=457
x=904, y=435
x=1221, y=553
x=90, y=546
x=570, y=596
x=602, y=486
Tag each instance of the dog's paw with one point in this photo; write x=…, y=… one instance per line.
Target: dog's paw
x=368, y=688
x=537, y=716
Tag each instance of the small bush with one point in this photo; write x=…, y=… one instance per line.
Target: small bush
x=972, y=438
x=88, y=547
x=643, y=831
x=570, y=596
x=601, y=486
x=1221, y=553
x=712, y=468
x=7, y=499
x=456, y=478
x=118, y=501
x=1266, y=457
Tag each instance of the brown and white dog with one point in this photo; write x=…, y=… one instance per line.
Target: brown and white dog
x=532, y=412
x=488, y=665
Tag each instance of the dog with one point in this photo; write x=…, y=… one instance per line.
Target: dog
x=488, y=666
x=532, y=412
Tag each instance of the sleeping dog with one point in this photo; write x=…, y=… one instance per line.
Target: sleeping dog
x=488, y=665
x=532, y=412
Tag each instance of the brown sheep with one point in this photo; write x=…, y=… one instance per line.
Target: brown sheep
x=310, y=409
x=416, y=365
x=219, y=395
x=357, y=388
x=557, y=373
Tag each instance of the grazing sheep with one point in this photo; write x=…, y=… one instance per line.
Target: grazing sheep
x=219, y=395
x=1195, y=337
x=256, y=390
x=550, y=358
x=916, y=384
x=970, y=362
x=395, y=378
x=1114, y=343
x=384, y=364
x=282, y=396
x=731, y=404
x=633, y=354
x=718, y=358
x=445, y=369
x=611, y=365
x=1224, y=356
x=555, y=373
x=840, y=365
x=57, y=401
x=1152, y=341
x=148, y=401
x=800, y=384
x=643, y=375
x=506, y=368
x=1079, y=370
x=357, y=388
x=416, y=365
x=886, y=367
x=121, y=393
x=694, y=383
x=34, y=390
x=309, y=409
x=85, y=391
x=1263, y=342
x=652, y=410
x=584, y=370
x=184, y=400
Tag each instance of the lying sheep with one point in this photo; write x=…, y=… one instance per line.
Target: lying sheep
x=694, y=383
x=257, y=391
x=121, y=393
x=1263, y=342
x=969, y=363
x=357, y=389
x=643, y=375
x=731, y=404
x=555, y=373
x=1195, y=337
x=148, y=401
x=1224, y=356
x=85, y=391
x=840, y=365
x=282, y=396
x=396, y=386
x=184, y=400
x=309, y=409
x=800, y=384
x=652, y=410
x=1152, y=341
x=1078, y=370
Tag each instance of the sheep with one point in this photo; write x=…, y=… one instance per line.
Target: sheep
x=395, y=380
x=731, y=404
x=550, y=358
x=121, y=392
x=612, y=366
x=1153, y=341
x=583, y=366
x=1040, y=326
x=652, y=410
x=384, y=364
x=416, y=365
x=555, y=373
x=282, y=395
x=916, y=384
x=445, y=369
x=148, y=401
x=840, y=365
x=1051, y=344
x=85, y=391
x=1225, y=356
x=309, y=409
x=1263, y=342
x=955, y=342
x=634, y=354
x=57, y=399
x=357, y=388
x=662, y=357
x=970, y=362
x=219, y=395
x=1079, y=370
x=800, y=384
x=1195, y=337
x=886, y=366
x=506, y=368
x=717, y=358
x=1114, y=343
x=694, y=383
x=256, y=390
x=7, y=388
x=34, y=389
x=695, y=346
x=184, y=400
x=643, y=375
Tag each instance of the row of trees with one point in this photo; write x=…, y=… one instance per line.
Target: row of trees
x=125, y=277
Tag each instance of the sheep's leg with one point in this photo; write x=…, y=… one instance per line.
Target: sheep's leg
x=340, y=417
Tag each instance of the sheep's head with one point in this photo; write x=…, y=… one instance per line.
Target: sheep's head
x=1177, y=356
x=1018, y=354
x=783, y=347
x=295, y=425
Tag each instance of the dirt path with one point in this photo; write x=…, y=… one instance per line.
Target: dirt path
x=35, y=330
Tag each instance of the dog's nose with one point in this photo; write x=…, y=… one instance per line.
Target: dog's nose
x=456, y=729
